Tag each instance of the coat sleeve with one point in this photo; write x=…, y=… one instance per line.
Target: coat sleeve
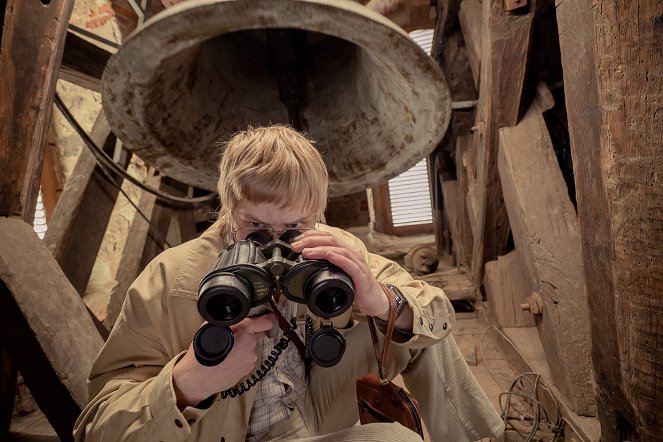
x=131, y=379
x=434, y=316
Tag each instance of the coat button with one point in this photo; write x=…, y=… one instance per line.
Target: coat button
x=430, y=326
x=178, y=423
x=444, y=326
x=421, y=321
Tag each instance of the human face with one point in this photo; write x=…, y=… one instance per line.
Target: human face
x=249, y=217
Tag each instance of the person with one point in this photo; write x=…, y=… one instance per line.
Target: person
x=146, y=383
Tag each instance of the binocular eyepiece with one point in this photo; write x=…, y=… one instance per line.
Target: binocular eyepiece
x=243, y=278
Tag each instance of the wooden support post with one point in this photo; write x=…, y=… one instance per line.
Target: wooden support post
x=547, y=238
x=27, y=97
x=25, y=114
x=470, y=17
x=7, y=389
x=506, y=290
x=131, y=263
x=78, y=225
x=505, y=44
x=613, y=83
x=45, y=326
x=463, y=237
x=511, y=5
x=441, y=200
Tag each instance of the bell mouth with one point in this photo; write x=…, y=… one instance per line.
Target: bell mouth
x=201, y=70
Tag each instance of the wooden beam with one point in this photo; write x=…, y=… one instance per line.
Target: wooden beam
x=78, y=225
x=8, y=376
x=547, y=238
x=511, y=5
x=25, y=112
x=506, y=290
x=470, y=17
x=506, y=44
x=613, y=83
x=27, y=96
x=45, y=326
x=462, y=239
x=83, y=62
x=455, y=283
x=454, y=205
x=130, y=264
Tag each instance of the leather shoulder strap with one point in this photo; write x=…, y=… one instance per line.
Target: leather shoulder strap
x=383, y=356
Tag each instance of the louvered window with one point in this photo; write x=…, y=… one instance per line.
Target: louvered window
x=409, y=197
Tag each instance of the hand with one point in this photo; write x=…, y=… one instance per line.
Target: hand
x=194, y=382
x=369, y=297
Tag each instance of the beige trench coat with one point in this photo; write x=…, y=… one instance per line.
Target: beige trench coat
x=131, y=379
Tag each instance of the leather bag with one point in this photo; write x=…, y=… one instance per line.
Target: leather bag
x=379, y=399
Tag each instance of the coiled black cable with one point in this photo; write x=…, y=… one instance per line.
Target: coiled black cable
x=267, y=364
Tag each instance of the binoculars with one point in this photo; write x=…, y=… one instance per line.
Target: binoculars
x=243, y=279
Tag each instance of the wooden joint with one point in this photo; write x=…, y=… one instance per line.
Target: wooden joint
x=533, y=303
x=478, y=128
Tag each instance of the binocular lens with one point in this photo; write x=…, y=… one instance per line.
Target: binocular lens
x=225, y=299
x=332, y=300
x=224, y=308
x=330, y=293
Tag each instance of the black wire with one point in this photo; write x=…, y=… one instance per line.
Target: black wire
x=267, y=364
x=103, y=158
x=152, y=233
x=93, y=36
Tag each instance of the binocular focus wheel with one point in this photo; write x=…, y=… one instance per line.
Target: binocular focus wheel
x=212, y=343
x=326, y=347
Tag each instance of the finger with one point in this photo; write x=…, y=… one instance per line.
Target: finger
x=316, y=240
x=257, y=324
x=323, y=252
x=357, y=270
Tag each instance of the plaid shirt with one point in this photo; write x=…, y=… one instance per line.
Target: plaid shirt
x=282, y=386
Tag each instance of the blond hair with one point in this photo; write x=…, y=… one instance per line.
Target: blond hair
x=273, y=164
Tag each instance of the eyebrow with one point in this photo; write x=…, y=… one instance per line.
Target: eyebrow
x=256, y=220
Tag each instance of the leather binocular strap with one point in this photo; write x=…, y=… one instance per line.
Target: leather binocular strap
x=285, y=326
x=383, y=356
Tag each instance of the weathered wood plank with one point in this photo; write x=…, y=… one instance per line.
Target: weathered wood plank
x=613, y=81
x=505, y=44
x=27, y=96
x=455, y=283
x=77, y=227
x=454, y=201
x=25, y=112
x=470, y=16
x=506, y=290
x=45, y=326
x=8, y=376
x=463, y=242
x=83, y=62
x=130, y=264
x=547, y=238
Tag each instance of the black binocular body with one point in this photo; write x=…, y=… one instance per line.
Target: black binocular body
x=244, y=277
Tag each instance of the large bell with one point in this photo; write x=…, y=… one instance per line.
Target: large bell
x=201, y=70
